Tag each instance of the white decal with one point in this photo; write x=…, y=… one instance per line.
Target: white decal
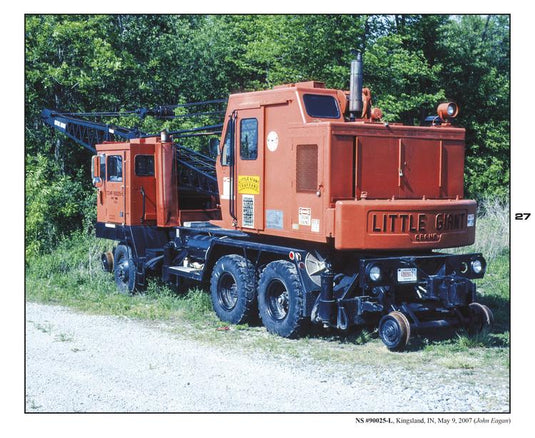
x=60, y=124
x=470, y=220
x=247, y=211
x=304, y=216
x=272, y=141
x=315, y=227
x=226, y=188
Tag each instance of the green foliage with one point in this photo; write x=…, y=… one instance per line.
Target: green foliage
x=403, y=80
x=121, y=62
x=56, y=205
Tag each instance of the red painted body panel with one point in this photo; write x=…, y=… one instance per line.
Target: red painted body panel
x=356, y=185
x=123, y=202
x=305, y=176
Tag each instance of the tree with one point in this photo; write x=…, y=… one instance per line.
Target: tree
x=122, y=62
x=475, y=52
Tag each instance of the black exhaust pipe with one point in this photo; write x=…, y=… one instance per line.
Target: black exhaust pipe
x=355, y=88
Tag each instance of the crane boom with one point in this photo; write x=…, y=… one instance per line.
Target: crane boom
x=196, y=171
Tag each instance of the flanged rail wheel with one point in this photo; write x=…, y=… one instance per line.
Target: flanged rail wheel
x=395, y=331
x=107, y=261
x=232, y=289
x=481, y=318
x=124, y=270
x=280, y=299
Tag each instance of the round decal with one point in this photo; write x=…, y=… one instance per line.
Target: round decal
x=272, y=141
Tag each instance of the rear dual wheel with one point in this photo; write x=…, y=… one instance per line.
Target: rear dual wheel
x=280, y=299
x=232, y=289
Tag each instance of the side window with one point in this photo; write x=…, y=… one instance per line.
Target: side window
x=248, y=139
x=103, y=167
x=114, y=165
x=225, y=150
x=144, y=165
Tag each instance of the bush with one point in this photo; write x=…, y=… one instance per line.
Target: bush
x=56, y=205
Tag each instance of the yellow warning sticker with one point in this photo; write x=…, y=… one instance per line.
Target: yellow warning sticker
x=248, y=185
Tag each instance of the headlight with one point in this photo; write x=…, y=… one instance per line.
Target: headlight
x=374, y=273
x=477, y=266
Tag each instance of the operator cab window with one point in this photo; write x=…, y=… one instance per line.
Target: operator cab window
x=321, y=106
x=103, y=167
x=249, y=139
x=115, y=168
x=144, y=165
x=225, y=150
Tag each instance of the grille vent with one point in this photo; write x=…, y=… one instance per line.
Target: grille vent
x=307, y=168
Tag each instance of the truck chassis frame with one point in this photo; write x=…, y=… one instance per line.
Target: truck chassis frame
x=288, y=295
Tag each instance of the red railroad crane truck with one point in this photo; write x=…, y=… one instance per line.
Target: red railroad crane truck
x=314, y=212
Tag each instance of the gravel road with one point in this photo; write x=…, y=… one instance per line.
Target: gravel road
x=86, y=363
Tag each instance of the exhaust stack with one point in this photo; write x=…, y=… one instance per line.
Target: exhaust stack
x=355, y=88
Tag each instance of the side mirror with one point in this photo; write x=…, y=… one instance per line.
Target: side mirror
x=95, y=171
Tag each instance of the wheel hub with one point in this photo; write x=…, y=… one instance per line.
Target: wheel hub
x=228, y=292
x=278, y=300
x=390, y=331
x=123, y=271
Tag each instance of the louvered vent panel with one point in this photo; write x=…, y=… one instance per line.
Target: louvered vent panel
x=307, y=168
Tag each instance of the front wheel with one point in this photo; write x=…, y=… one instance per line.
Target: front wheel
x=124, y=270
x=280, y=299
x=395, y=331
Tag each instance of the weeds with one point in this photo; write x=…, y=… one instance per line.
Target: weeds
x=492, y=230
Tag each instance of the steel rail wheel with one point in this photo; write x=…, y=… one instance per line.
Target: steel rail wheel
x=232, y=289
x=481, y=319
x=107, y=261
x=280, y=299
x=395, y=331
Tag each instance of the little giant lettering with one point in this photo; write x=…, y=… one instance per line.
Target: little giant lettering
x=426, y=225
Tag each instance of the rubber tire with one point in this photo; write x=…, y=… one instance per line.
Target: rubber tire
x=239, y=271
x=395, y=331
x=281, y=276
x=124, y=270
x=481, y=319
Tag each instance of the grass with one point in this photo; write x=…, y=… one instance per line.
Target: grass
x=70, y=275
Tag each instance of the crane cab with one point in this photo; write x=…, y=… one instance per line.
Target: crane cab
x=291, y=165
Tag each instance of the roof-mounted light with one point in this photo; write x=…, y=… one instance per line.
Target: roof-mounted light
x=448, y=110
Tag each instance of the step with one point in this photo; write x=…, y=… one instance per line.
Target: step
x=186, y=271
